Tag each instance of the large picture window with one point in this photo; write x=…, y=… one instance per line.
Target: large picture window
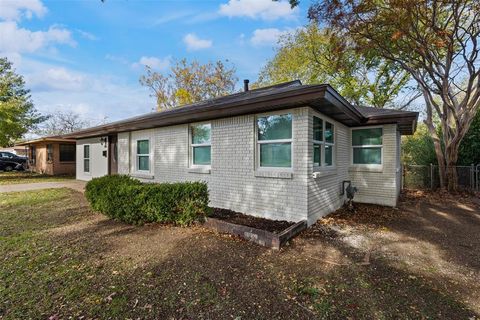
x=323, y=143
x=86, y=158
x=367, y=146
x=201, y=146
x=67, y=152
x=143, y=155
x=275, y=141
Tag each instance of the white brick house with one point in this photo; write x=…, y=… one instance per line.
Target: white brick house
x=281, y=152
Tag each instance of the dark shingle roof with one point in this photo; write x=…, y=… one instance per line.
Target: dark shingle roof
x=291, y=94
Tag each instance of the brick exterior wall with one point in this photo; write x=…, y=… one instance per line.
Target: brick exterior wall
x=380, y=186
x=324, y=185
x=236, y=183
x=234, y=180
x=53, y=167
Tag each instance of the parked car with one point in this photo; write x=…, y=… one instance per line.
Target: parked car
x=10, y=161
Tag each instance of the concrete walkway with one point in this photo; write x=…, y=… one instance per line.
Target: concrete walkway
x=74, y=184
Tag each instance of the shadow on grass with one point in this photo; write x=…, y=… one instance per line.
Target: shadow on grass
x=98, y=268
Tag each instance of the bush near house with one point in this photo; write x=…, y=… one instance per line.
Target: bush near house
x=123, y=198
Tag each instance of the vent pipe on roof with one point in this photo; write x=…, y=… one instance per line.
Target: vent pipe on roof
x=245, y=85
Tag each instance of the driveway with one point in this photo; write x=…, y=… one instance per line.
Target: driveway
x=76, y=185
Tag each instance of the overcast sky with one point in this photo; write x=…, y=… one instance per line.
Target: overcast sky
x=87, y=56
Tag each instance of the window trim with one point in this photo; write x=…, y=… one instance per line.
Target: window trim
x=137, y=155
x=321, y=166
x=85, y=158
x=352, y=147
x=49, y=154
x=33, y=154
x=192, y=145
x=260, y=142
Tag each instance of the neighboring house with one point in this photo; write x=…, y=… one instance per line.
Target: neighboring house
x=280, y=152
x=17, y=150
x=51, y=155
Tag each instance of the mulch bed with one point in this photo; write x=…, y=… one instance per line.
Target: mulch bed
x=274, y=226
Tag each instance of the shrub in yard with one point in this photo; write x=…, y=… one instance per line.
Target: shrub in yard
x=124, y=198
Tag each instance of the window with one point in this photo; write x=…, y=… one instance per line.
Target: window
x=49, y=152
x=323, y=143
x=201, y=147
x=275, y=141
x=367, y=146
x=86, y=158
x=33, y=154
x=143, y=155
x=67, y=152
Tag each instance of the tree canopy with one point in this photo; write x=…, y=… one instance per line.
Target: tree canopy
x=189, y=82
x=17, y=112
x=315, y=55
x=62, y=122
x=436, y=42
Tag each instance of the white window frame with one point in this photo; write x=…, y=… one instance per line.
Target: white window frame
x=260, y=142
x=137, y=155
x=367, y=165
x=322, y=165
x=89, y=158
x=193, y=145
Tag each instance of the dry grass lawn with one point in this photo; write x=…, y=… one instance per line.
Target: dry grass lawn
x=17, y=177
x=61, y=260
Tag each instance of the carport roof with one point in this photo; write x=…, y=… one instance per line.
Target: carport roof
x=293, y=94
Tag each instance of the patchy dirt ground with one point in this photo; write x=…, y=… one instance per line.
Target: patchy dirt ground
x=60, y=260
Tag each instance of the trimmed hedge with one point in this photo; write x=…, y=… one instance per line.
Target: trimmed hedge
x=123, y=198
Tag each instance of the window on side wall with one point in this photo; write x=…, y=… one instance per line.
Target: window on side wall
x=86, y=158
x=274, y=141
x=49, y=152
x=367, y=145
x=201, y=145
x=323, y=143
x=143, y=155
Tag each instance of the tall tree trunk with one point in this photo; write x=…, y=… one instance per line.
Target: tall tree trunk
x=451, y=152
x=442, y=172
x=438, y=150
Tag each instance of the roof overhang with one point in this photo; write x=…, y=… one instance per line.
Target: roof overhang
x=322, y=98
x=45, y=140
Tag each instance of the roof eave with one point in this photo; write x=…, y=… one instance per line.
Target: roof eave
x=278, y=101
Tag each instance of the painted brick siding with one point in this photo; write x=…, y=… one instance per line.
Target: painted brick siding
x=324, y=189
x=379, y=186
x=234, y=181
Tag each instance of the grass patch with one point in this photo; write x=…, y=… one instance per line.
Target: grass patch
x=61, y=259
x=17, y=177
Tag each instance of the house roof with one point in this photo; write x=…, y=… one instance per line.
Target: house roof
x=46, y=140
x=321, y=97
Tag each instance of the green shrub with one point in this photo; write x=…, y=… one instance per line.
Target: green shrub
x=124, y=198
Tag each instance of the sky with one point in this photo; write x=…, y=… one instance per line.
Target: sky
x=87, y=56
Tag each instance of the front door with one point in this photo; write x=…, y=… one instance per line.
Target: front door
x=112, y=154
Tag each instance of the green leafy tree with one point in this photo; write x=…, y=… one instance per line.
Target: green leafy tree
x=469, y=152
x=436, y=42
x=418, y=148
x=189, y=82
x=17, y=113
x=316, y=55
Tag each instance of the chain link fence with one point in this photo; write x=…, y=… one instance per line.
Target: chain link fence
x=427, y=177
